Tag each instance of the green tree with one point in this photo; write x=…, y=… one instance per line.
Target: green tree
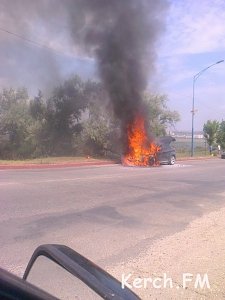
x=221, y=135
x=210, y=130
x=64, y=111
x=160, y=117
x=98, y=131
x=41, y=129
x=38, y=108
x=15, y=122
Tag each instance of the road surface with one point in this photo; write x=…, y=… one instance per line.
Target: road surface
x=110, y=214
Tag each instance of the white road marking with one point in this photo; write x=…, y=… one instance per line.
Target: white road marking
x=176, y=166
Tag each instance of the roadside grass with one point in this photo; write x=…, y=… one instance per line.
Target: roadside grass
x=52, y=160
x=83, y=159
x=183, y=148
x=183, y=154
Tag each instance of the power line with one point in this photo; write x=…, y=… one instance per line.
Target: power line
x=37, y=44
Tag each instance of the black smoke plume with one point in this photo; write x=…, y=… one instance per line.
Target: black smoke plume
x=122, y=35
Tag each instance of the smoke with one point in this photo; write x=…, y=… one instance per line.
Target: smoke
x=122, y=35
x=24, y=63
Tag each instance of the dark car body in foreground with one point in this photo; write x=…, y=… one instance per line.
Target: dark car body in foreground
x=41, y=283
x=167, y=154
x=223, y=155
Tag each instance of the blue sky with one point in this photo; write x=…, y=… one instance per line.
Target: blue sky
x=194, y=38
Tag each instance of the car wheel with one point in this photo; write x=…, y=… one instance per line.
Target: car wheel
x=172, y=160
x=151, y=161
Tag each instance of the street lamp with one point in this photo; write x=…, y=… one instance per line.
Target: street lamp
x=193, y=102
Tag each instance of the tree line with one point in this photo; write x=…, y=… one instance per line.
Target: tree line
x=214, y=133
x=74, y=119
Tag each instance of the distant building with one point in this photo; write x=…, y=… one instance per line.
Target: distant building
x=187, y=134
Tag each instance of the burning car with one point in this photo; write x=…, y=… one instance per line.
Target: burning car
x=141, y=151
x=144, y=151
x=166, y=154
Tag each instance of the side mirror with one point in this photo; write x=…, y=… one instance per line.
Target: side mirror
x=66, y=274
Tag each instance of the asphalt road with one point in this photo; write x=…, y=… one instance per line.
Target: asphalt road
x=107, y=213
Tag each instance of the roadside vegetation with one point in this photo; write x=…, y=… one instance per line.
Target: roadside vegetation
x=73, y=120
x=212, y=143
x=214, y=133
x=183, y=147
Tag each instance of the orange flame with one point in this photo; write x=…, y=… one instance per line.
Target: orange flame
x=141, y=152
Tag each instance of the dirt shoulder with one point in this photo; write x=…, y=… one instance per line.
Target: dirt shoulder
x=199, y=249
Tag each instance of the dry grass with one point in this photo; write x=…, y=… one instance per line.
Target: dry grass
x=51, y=160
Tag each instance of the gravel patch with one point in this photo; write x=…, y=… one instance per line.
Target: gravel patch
x=199, y=249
